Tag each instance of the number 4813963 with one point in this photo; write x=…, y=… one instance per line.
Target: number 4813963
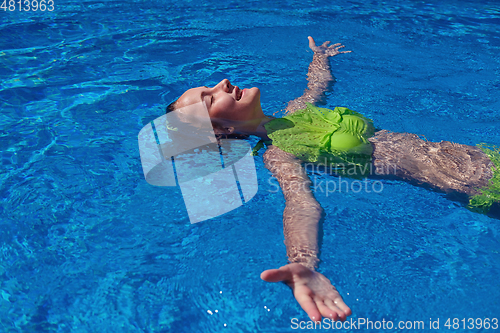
x=27, y=5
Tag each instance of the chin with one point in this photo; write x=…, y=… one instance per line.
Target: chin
x=256, y=94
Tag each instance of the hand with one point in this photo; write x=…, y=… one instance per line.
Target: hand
x=313, y=291
x=329, y=51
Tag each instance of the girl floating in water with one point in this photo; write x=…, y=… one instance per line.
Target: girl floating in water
x=345, y=142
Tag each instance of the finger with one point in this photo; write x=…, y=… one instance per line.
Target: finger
x=325, y=309
x=341, y=315
x=336, y=302
x=275, y=275
x=339, y=302
x=339, y=47
x=312, y=43
x=325, y=43
x=345, y=51
x=303, y=296
x=335, y=45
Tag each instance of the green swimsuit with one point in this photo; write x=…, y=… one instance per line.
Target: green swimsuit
x=338, y=139
x=491, y=192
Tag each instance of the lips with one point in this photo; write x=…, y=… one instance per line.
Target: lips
x=238, y=93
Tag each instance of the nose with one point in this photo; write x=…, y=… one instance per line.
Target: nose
x=224, y=85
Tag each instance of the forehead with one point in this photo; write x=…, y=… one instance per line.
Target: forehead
x=191, y=96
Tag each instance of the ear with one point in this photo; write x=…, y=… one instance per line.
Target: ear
x=218, y=129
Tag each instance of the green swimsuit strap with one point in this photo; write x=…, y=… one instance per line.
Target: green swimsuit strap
x=259, y=146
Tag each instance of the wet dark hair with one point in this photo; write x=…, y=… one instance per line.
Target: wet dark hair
x=217, y=129
x=171, y=106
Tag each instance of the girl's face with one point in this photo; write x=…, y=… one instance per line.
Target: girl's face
x=225, y=101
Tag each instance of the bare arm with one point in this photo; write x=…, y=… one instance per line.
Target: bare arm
x=302, y=211
x=319, y=76
x=314, y=292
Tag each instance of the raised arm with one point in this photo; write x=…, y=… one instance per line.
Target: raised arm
x=319, y=76
x=314, y=292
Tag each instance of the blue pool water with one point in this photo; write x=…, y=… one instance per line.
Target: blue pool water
x=87, y=245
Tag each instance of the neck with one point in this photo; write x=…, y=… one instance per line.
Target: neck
x=259, y=130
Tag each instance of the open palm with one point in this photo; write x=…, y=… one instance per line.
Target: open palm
x=329, y=50
x=314, y=292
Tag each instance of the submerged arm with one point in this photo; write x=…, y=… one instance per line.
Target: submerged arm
x=319, y=76
x=314, y=292
x=302, y=211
